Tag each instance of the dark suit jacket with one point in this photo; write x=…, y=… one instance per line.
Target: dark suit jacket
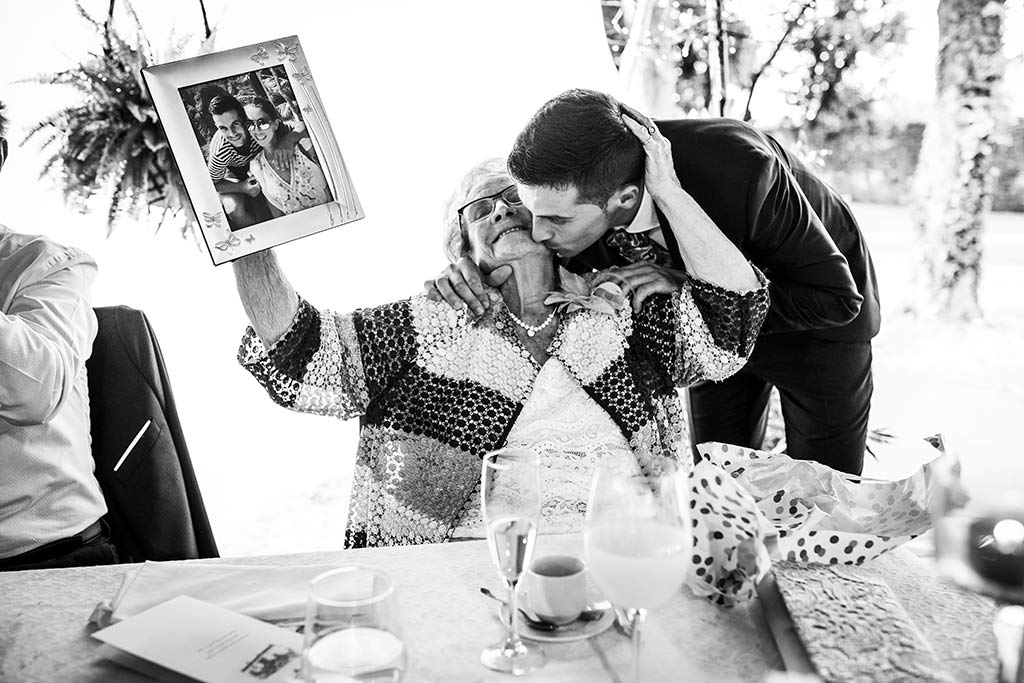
x=155, y=509
x=788, y=222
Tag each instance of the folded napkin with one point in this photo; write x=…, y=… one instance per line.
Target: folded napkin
x=273, y=594
x=755, y=506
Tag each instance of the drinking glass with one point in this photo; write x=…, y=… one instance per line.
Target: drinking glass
x=510, y=503
x=352, y=631
x=979, y=545
x=637, y=540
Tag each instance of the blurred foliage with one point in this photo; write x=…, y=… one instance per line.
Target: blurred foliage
x=111, y=142
x=812, y=48
x=818, y=41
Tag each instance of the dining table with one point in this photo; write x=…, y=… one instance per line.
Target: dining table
x=45, y=634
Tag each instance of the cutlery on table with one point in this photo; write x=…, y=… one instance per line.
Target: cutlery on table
x=592, y=613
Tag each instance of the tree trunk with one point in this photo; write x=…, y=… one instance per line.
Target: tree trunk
x=952, y=183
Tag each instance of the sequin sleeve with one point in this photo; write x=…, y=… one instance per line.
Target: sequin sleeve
x=331, y=364
x=702, y=331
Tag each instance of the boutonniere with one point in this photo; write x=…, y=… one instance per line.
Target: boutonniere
x=605, y=297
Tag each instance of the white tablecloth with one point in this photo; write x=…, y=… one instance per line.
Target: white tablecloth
x=44, y=634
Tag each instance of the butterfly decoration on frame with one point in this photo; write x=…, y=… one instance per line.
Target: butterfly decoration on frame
x=304, y=76
x=287, y=51
x=261, y=56
x=231, y=242
x=212, y=220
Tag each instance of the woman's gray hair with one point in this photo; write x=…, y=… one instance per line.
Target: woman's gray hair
x=455, y=244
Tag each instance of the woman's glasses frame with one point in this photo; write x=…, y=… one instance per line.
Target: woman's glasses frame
x=509, y=195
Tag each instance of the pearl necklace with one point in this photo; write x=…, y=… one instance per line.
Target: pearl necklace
x=531, y=330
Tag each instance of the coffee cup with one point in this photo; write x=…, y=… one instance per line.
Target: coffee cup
x=556, y=588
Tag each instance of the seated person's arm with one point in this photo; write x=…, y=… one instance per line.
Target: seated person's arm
x=267, y=297
x=318, y=362
x=700, y=330
x=46, y=336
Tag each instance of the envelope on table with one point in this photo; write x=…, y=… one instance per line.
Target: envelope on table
x=273, y=594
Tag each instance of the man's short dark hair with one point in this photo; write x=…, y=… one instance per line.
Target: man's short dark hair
x=222, y=104
x=3, y=120
x=578, y=138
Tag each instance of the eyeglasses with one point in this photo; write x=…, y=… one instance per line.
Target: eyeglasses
x=262, y=124
x=481, y=208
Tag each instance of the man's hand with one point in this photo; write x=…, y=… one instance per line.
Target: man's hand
x=643, y=279
x=461, y=284
x=251, y=187
x=281, y=157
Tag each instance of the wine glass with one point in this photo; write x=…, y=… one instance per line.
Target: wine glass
x=637, y=540
x=979, y=545
x=510, y=503
x=352, y=631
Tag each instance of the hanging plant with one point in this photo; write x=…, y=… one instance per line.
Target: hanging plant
x=111, y=142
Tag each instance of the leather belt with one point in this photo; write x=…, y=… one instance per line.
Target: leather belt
x=54, y=549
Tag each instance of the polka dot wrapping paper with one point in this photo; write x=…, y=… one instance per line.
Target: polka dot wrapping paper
x=750, y=507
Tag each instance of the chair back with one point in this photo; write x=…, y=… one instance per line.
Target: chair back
x=155, y=508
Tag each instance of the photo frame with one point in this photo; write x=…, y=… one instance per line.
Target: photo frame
x=249, y=134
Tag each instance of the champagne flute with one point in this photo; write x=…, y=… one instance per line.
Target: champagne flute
x=637, y=540
x=352, y=631
x=510, y=503
x=979, y=545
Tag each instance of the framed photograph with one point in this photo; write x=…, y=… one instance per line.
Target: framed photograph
x=251, y=139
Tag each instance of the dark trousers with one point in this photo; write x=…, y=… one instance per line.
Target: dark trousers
x=825, y=389
x=82, y=550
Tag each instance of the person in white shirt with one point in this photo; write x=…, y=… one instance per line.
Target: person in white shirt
x=50, y=502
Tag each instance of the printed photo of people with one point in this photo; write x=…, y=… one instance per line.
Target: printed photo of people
x=257, y=149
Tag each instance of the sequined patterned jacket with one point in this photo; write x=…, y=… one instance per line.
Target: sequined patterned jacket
x=435, y=390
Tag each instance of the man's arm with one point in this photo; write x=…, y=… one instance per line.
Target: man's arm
x=267, y=296
x=46, y=336
x=811, y=283
x=707, y=253
x=248, y=187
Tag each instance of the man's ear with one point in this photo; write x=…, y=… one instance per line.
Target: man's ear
x=625, y=198
x=3, y=151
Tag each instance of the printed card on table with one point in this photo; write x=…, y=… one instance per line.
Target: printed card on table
x=203, y=642
x=249, y=134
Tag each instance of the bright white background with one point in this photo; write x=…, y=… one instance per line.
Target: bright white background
x=416, y=93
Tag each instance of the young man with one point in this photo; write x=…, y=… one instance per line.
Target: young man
x=50, y=501
x=581, y=172
x=231, y=150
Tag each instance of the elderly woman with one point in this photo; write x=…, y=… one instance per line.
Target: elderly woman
x=435, y=388
x=291, y=185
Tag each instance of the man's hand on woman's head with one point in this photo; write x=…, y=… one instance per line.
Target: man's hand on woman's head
x=641, y=280
x=461, y=284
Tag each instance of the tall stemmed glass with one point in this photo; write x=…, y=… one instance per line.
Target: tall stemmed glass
x=979, y=545
x=637, y=540
x=510, y=502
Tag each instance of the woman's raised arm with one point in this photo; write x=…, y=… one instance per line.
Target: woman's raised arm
x=267, y=296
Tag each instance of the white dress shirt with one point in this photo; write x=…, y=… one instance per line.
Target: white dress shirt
x=646, y=220
x=47, y=487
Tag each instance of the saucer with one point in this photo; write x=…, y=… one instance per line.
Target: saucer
x=573, y=631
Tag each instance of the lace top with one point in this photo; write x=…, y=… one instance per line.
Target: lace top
x=572, y=435
x=308, y=186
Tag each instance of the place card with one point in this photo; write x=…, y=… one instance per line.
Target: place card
x=188, y=639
